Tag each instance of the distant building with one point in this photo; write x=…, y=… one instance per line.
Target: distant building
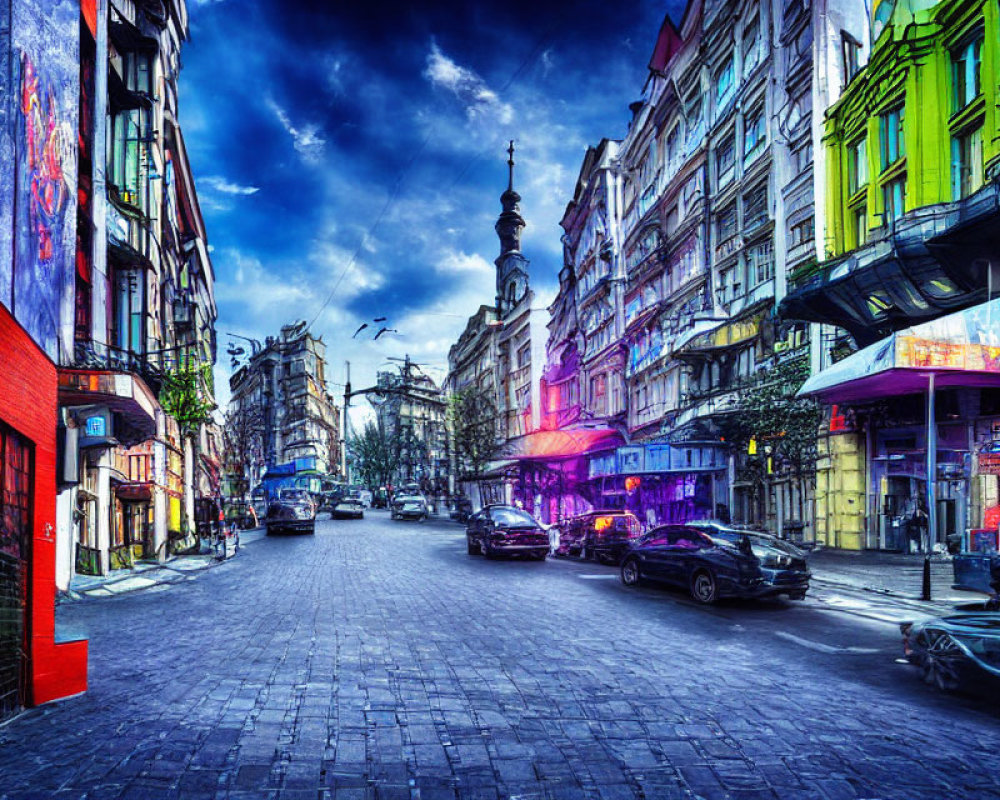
x=411, y=412
x=283, y=385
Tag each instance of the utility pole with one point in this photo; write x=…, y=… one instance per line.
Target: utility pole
x=345, y=427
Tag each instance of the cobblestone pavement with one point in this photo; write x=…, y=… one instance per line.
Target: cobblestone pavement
x=379, y=660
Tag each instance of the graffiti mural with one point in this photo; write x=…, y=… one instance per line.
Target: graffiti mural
x=46, y=143
x=41, y=122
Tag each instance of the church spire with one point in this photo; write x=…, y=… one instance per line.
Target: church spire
x=510, y=223
x=512, y=266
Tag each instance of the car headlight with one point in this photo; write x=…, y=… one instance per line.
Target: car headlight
x=776, y=561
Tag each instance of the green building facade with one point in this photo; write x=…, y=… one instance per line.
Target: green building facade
x=913, y=234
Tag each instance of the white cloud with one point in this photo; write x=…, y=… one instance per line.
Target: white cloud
x=460, y=263
x=306, y=140
x=471, y=90
x=225, y=186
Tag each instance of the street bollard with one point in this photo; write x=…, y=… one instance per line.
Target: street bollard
x=926, y=594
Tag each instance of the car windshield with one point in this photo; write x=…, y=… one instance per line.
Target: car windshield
x=511, y=517
x=408, y=498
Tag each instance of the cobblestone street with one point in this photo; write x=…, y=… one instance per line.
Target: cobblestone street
x=379, y=660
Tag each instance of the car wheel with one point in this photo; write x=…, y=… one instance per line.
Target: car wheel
x=941, y=660
x=473, y=550
x=703, y=588
x=631, y=576
x=541, y=555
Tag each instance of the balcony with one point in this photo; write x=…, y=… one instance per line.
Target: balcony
x=933, y=261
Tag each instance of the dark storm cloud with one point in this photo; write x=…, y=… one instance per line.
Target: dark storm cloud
x=354, y=153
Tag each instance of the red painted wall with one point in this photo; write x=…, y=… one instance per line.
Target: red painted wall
x=28, y=404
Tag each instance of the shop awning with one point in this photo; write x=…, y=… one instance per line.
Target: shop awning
x=960, y=349
x=563, y=444
x=124, y=393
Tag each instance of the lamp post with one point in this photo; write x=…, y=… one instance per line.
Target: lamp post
x=931, y=528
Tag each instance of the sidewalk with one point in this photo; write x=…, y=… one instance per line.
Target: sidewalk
x=891, y=574
x=145, y=574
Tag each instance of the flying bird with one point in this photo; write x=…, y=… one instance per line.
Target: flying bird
x=363, y=326
x=385, y=330
x=379, y=319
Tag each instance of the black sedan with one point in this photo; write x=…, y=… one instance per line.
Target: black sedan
x=782, y=564
x=687, y=557
x=288, y=514
x=957, y=653
x=506, y=530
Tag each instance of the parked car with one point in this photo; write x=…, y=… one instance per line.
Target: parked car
x=408, y=506
x=506, y=530
x=349, y=506
x=290, y=513
x=604, y=535
x=957, y=653
x=781, y=562
x=298, y=496
x=684, y=556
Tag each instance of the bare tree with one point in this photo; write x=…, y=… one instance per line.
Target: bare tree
x=473, y=417
x=242, y=445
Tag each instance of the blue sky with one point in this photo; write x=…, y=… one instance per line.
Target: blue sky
x=349, y=157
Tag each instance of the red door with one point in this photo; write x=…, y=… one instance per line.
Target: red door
x=15, y=525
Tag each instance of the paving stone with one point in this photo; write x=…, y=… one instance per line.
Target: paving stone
x=387, y=664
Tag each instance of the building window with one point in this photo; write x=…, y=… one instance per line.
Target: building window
x=851, y=52
x=760, y=263
x=891, y=139
x=725, y=224
x=802, y=232
x=731, y=283
x=674, y=145
x=598, y=393
x=724, y=159
x=724, y=81
x=524, y=356
x=755, y=207
x=692, y=108
x=751, y=45
x=857, y=166
x=894, y=198
x=967, y=163
x=754, y=136
x=965, y=74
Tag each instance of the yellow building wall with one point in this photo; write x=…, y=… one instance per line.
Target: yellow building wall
x=840, y=491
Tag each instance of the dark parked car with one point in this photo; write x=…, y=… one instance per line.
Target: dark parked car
x=781, y=562
x=506, y=530
x=408, y=506
x=349, y=506
x=957, y=653
x=604, y=535
x=289, y=513
x=687, y=557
